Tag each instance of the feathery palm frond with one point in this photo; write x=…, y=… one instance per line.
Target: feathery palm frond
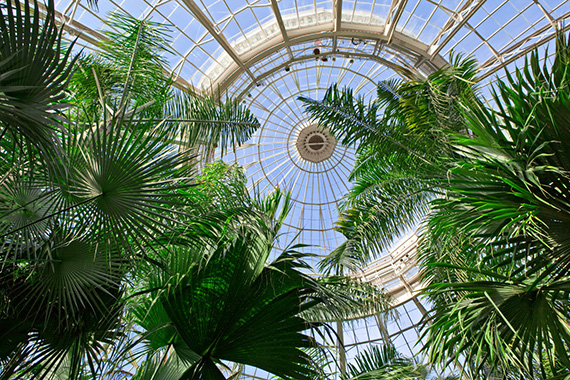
x=434, y=107
x=127, y=74
x=403, y=152
x=381, y=200
x=136, y=51
x=499, y=240
x=354, y=122
x=209, y=122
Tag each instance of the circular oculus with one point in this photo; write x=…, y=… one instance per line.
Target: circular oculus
x=315, y=144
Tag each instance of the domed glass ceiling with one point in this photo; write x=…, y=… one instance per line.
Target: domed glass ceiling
x=267, y=53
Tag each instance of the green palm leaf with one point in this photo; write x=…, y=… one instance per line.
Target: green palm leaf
x=499, y=325
x=226, y=311
x=217, y=299
x=123, y=182
x=383, y=363
x=209, y=122
x=403, y=151
x=34, y=71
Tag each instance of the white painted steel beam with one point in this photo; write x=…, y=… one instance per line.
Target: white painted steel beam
x=394, y=15
x=277, y=13
x=211, y=28
x=454, y=25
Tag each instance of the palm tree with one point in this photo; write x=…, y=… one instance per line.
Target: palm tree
x=83, y=205
x=116, y=232
x=401, y=139
x=506, y=212
x=216, y=299
x=495, y=191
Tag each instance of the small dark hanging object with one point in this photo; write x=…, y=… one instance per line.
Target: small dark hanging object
x=287, y=69
x=316, y=51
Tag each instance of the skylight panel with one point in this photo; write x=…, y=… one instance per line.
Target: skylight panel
x=63, y=5
x=433, y=26
x=217, y=11
x=414, y=18
x=87, y=17
x=557, y=8
x=136, y=9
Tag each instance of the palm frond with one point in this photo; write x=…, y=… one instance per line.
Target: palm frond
x=354, y=122
x=497, y=325
x=383, y=363
x=35, y=69
x=122, y=182
x=209, y=122
x=70, y=349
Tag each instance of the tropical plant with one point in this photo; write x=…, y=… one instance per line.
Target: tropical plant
x=506, y=210
x=35, y=68
x=116, y=233
x=383, y=363
x=401, y=141
x=129, y=73
x=494, y=189
x=85, y=198
x=216, y=299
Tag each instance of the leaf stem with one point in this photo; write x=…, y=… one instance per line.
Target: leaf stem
x=50, y=216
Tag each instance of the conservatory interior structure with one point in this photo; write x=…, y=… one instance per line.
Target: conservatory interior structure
x=269, y=55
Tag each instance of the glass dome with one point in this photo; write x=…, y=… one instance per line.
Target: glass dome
x=267, y=53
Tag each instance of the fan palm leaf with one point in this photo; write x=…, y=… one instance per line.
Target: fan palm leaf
x=383, y=363
x=123, y=182
x=34, y=71
x=69, y=348
x=498, y=324
x=223, y=303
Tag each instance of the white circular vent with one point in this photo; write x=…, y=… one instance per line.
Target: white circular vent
x=314, y=144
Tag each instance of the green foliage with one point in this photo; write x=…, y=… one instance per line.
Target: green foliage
x=115, y=254
x=383, y=363
x=128, y=70
x=88, y=199
x=209, y=122
x=402, y=149
x=34, y=71
x=216, y=299
x=506, y=210
x=491, y=186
